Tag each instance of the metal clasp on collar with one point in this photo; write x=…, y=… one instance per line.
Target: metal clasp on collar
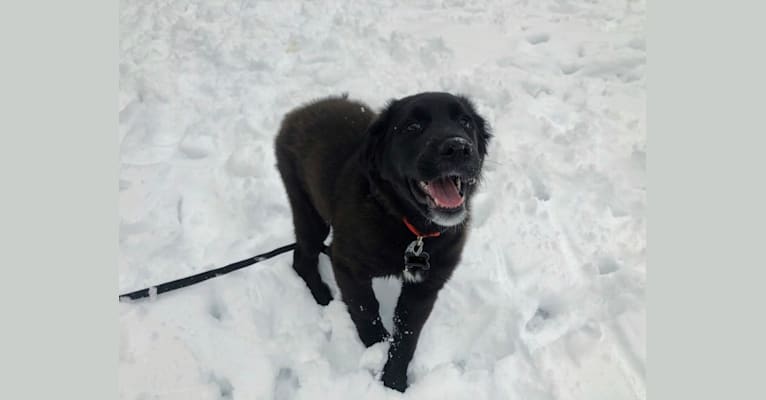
x=415, y=257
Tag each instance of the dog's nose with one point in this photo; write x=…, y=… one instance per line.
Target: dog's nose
x=455, y=148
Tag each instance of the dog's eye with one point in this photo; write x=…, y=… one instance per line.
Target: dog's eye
x=413, y=127
x=465, y=122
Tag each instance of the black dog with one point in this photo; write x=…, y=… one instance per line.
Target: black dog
x=395, y=188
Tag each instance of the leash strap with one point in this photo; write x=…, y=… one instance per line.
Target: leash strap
x=415, y=257
x=203, y=276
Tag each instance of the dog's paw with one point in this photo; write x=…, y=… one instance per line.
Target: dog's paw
x=321, y=293
x=375, y=334
x=394, y=378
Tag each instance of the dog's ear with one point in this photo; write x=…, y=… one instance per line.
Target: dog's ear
x=375, y=134
x=485, y=131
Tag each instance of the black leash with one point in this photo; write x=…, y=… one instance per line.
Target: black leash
x=203, y=276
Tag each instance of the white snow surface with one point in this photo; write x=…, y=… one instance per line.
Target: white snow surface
x=549, y=299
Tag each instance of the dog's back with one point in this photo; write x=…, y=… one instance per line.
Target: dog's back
x=315, y=141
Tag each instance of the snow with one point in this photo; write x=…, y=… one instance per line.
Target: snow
x=549, y=300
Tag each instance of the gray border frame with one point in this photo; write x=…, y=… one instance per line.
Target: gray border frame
x=60, y=162
x=58, y=133
x=706, y=200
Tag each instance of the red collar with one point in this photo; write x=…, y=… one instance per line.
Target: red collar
x=417, y=233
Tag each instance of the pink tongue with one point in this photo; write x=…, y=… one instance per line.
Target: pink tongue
x=444, y=192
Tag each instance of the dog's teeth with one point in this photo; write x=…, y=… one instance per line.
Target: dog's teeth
x=459, y=183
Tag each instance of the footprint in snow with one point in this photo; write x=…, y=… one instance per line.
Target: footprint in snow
x=247, y=161
x=538, y=38
x=225, y=388
x=217, y=309
x=536, y=323
x=198, y=142
x=569, y=68
x=607, y=265
x=285, y=384
x=539, y=188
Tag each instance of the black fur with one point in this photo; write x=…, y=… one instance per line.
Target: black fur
x=346, y=167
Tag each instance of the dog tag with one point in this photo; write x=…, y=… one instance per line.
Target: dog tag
x=415, y=257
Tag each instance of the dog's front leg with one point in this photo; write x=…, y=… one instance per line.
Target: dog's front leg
x=415, y=304
x=362, y=305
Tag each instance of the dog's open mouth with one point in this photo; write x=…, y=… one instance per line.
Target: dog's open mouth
x=446, y=193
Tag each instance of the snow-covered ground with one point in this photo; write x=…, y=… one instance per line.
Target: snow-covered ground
x=549, y=301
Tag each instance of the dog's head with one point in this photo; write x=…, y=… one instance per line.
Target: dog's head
x=429, y=148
